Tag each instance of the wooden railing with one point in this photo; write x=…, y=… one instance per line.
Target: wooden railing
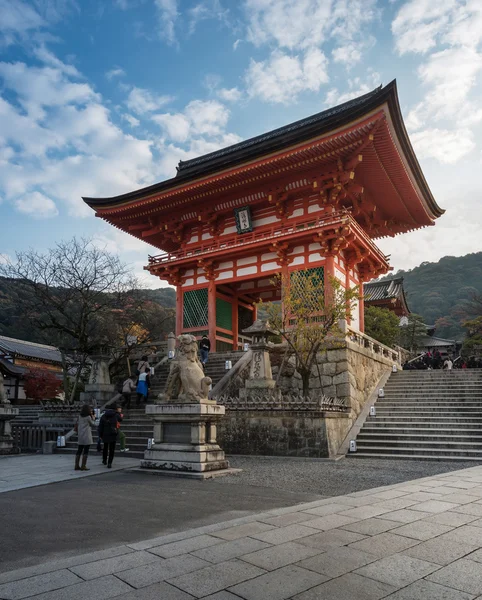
x=277, y=230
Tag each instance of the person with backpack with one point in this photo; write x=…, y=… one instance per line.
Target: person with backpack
x=108, y=432
x=83, y=427
x=127, y=388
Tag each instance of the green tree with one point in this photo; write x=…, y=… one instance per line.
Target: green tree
x=382, y=324
x=473, y=342
x=413, y=333
x=307, y=319
x=74, y=289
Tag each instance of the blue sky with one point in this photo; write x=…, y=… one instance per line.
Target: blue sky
x=101, y=97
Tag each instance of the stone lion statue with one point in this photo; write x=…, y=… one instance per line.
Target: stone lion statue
x=186, y=381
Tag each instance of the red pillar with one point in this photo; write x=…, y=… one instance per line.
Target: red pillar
x=347, y=287
x=179, y=310
x=234, y=318
x=361, y=308
x=329, y=272
x=212, y=314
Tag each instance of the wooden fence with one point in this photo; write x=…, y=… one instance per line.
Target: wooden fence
x=30, y=438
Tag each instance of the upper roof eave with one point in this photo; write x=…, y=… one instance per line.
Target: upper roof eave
x=284, y=137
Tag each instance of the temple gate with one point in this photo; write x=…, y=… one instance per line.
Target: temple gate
x=310, y=195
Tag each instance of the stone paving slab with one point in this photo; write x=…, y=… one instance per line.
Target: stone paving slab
x=281, y=555
x=26, y=471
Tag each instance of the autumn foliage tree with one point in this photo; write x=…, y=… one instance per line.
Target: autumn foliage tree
x=307, y=318
x=40, y=384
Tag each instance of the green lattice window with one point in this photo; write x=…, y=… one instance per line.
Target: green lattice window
x=195, y=312
x=224, y=314
x=245, y=318
x=298, y=288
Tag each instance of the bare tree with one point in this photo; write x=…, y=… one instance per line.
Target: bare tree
x=72, y=293
x=308, y=319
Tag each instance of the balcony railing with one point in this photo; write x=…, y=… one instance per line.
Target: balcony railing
x=274, y=232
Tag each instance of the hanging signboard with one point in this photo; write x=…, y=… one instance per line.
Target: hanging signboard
x=242, y=217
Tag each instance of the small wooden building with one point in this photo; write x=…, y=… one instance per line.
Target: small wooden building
x=389, y=294
x=18, y=356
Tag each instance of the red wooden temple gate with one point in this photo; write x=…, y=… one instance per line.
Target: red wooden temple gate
x=311, y=195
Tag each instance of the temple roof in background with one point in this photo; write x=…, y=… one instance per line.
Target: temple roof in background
x=40, y=352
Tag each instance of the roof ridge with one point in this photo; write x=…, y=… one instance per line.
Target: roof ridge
x=36, y=344
x=184, y=165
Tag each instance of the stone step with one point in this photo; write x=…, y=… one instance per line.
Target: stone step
x=429, y=423
x=422, y=451
x=437, y=457
x=424, y=418
x=421, y=438
x=423, y=431
x=420, y=441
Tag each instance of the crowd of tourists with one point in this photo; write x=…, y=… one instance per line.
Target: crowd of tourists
x=433, y=359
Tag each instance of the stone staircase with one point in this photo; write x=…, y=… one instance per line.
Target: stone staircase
x=136, y=425
x=215, y=369
x=429, y=415
x=27, y=413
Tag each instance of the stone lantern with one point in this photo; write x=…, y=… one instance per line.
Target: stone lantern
x=260, y=375
x=7, y=414
x=99, y=390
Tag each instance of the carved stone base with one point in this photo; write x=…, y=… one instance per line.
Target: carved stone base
x=185, y=440
x=97, y=394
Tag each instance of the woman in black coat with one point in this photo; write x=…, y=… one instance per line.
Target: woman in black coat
x=108, y=430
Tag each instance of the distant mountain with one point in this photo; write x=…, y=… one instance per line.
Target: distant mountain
x=437, y=291
x=13, y=324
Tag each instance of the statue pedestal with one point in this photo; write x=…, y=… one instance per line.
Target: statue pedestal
x=97, y=394
x=185, y=441
x=7, y=414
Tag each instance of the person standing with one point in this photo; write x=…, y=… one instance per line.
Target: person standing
x=127, y=388
x=204, y=349
x=143, y=365
x=84, y=425
x=142, y=388
x=108, y=431
x=448, y=364
x=122, y=435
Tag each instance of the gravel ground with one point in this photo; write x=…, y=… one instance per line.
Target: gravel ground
x=329, y=478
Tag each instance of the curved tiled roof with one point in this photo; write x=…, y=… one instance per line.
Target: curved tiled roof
x=30, y=349
x=276, y=134
x=279, y=140
x=383, y=290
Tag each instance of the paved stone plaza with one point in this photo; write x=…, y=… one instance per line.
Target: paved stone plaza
x=415, y=540
x=18, y=472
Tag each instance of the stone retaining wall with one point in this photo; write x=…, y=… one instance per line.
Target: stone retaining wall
x=280, y=433
x=351, y=372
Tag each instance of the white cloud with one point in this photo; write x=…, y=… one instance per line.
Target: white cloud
x=282, y=77
x=230, y=95
x=143, y=101
x=356, y=87
x=446, y=146
x=448, y=33
x=115, y=72
x=168, y=15
x=450, y=76
x=65, y=144
x=200, y=118
x=133, y=122
x=17, y=18
x=37, y=205
x=303, y=24
x=41, y=87
x=176, y=126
